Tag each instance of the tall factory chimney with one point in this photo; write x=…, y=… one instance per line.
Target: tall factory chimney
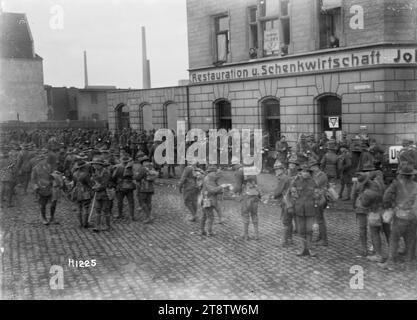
x=146, y=72
x=85, y=70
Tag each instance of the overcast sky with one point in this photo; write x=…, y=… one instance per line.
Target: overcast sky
x=109, y=30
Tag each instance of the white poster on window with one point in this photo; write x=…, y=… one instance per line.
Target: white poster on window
x=271, y=40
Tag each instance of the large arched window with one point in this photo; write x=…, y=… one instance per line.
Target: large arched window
x=330, y=111
x=271, y=119
x=146, y=116
x=122, y=117
x=170, y=115
x=223, y=111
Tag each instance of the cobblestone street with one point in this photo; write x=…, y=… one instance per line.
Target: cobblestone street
x=170, y=260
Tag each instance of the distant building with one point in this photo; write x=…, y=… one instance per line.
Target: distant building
x=291, y=67
x=22, y=94
x=78, y=104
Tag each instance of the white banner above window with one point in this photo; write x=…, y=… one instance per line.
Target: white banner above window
x=331, y=4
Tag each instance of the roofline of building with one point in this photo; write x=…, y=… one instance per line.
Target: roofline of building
x=304, y=54
x=156, y=88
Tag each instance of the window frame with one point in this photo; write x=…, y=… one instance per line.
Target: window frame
x=321, y=15
x=262, y=19
x=218, y=32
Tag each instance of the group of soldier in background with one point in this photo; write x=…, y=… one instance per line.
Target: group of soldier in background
x=96, y=168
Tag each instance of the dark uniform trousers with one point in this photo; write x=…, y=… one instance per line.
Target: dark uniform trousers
x=208, y=215
x=103, y=207
x=43, y=201
x=406, y=229
x=362, y=220
x=145, y=202
x=249, y=209
x=120, y=195
x=191, y=200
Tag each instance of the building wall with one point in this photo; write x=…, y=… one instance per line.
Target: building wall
x=133, y=100
x=384, y=20
x=86, y=108
x=382, y=99
x=22, y=90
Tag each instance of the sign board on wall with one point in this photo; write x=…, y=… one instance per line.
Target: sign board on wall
x=334, y=122
x=308, y=64
x=393, y=154
x=271, y=40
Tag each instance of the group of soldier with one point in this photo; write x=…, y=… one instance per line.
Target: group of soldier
x=96, y=171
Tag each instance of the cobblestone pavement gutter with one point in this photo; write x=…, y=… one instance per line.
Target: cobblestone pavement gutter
x=170, y=260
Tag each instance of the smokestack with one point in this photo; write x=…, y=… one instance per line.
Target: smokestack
x=85, y=70
x=146, y=72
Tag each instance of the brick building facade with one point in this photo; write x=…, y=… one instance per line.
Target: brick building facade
x=293, y=67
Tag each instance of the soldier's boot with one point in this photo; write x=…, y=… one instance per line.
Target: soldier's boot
x=80, y=218
x=304, y=251
x=364, y=248
x=342, y=188
x=245, y=235
x=210, y=227
x=43, y=217
x=256, y=229
x=287, y=239
x=52, y=218
x=309, y=241
x=349, y=190
x=85, y=219
x=97, y=227
x=322, y=235
x=108, y=223
x=203, y=226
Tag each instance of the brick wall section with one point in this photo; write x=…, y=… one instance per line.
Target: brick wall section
x=385, y=100
x=384, y=20
x=156, y=98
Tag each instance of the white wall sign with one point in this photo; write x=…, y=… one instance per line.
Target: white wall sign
x=393, y=154
x=271, y=40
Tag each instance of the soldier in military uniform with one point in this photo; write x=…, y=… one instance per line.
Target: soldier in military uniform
x=366, y=193
x=82, y=192
x=123, y=177
x=329, y=162
x=320, y=178
x=210, y=191
x=42, y=184
x=282, y=149
x=101, y=178
x=23, y=167
x=145, y=177
x=281, y=194
x=401, y=196
x=189, y=188
x=346, y=172
x=302, y=196
x=249, y=207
